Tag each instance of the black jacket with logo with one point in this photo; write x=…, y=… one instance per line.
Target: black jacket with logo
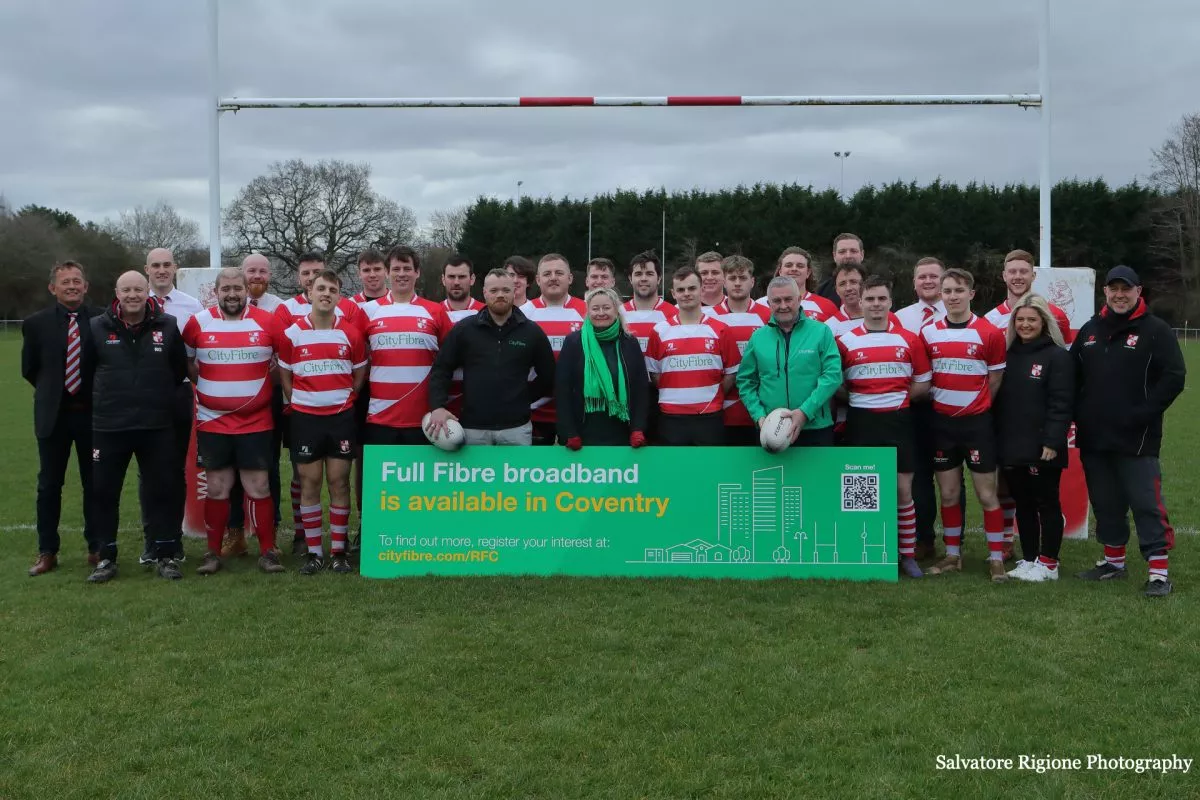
x=1034, y=405
x=1129, y=369
x=495, y=361
x=137, y=370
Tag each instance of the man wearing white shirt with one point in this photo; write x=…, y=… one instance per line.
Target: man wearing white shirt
x=927, y=282
x=160, y=271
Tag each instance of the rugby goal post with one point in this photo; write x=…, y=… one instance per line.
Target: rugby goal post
x=218, y=105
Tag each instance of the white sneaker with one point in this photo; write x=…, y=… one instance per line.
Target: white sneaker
x=1046, y=573
x=1022, y=569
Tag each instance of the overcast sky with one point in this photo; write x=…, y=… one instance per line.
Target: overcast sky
x=105, y=102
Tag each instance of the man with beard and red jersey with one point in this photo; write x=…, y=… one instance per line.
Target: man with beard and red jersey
x=310, y=266
x=1018, y=280
x=796, y=263
x=884, y=366
x=712, y=278
x=322, y=363
x=404, y=332
x=558, y=314
x=231, y=347
x=968, y=356
x=257, y=269
x=693, y=360
x=743, y=316
x=458, y=276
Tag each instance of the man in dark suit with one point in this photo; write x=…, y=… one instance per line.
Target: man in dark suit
x=58, y=359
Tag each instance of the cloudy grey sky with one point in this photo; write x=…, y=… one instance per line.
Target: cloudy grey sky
x=104, y=102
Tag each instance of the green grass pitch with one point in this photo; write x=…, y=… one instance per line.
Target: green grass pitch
x=246, y=685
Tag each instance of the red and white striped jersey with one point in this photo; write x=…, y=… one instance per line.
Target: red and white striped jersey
x=404, y=339
x=322, y=364
x=840, y=323
x=814, y=306
x=361, y=299
x=881, y=366
x=1000, y=315
x=456, y=316
x=557, y=322
x=299, y=306
x=741, y=324
x=233, y=358
x=690, y=362
x=962, y=357
x=640, y=323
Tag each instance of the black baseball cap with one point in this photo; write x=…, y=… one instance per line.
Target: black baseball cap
x=1123, y=273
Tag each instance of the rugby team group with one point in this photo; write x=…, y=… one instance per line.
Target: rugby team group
x=323, y=374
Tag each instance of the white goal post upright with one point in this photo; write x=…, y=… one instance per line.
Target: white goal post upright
x=219, y=105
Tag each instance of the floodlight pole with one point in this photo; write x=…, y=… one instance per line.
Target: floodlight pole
x=214, y=140
x=1044, y=179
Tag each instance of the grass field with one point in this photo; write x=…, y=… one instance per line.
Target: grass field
x=253, y=686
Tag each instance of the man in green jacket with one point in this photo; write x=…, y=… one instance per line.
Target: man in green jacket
x=791, y=362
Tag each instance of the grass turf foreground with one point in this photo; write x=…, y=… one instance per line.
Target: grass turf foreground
x=247, y=685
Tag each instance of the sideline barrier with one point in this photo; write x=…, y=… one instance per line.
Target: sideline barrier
x=698, y=512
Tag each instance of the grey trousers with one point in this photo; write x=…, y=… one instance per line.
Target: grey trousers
x=1118, y=484
x=522, y=435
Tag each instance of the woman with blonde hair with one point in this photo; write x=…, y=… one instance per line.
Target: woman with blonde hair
x=1033, y=411
x=602, y=390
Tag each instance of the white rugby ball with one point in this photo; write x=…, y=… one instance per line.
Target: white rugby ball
x=450, y=439
x=775, y=435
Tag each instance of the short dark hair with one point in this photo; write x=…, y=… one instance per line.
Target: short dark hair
x=497, y=272
x=403, y=252
x=370, y=256
x=330, y=276
x=876, y=280
x=862, y=272
x=929, y=260
x=960, y=275
x=1019, y=255
x=60, y=266
x=522, y=266
x=648, y=257
x=605, y=264
x=686, y=271
x=312, y=256
x=553, y=257
x=841, y=237
x=458, y=260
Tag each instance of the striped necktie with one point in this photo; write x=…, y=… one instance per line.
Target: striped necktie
x=926, y=316
x=72, y=380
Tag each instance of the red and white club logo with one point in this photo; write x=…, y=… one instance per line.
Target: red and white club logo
x=156, y=337
x=254, y=337
x=576, y=326
x=421, y=323
x=1131, y=340
x=1036, y=370
x=344, y=446
x=709, y=344
x=95, y=454
x=342, y=350
x=901, y=353
x=974, y=456
x=972, y=349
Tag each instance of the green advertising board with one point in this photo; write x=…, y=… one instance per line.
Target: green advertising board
x=703, y=512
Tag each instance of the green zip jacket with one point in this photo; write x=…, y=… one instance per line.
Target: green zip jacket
x=801, y=370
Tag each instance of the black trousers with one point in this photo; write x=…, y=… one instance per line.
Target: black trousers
x=742, y=436
x=72, y=429
x=1119, y=484
x=155, y=454
x=1039, y=513
x=691, y=430
x=924, y=487
x=545, y=433
x=602, y=430
x=237, y=497
x=176, y=475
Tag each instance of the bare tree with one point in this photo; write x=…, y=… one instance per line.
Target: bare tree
x=446, y=227
x=1176, y=176
x=143, y=229
x=328, y=206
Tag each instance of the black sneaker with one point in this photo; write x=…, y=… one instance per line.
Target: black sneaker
x=1157, y=587
x=167, y=568
x=339, y=563
x=147, y=558
x=312, y=564
x=299, y=547
x=269, y=562
x=106, y=570
x=1103, y=571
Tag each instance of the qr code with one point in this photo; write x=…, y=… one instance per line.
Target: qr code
x=860, y=492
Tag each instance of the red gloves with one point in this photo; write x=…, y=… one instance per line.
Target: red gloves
x=574, y=443
x=637, y=439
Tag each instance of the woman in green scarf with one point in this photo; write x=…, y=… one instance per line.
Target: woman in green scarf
x=602, y=391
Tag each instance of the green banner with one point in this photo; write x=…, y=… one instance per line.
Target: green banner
x=699, y=512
